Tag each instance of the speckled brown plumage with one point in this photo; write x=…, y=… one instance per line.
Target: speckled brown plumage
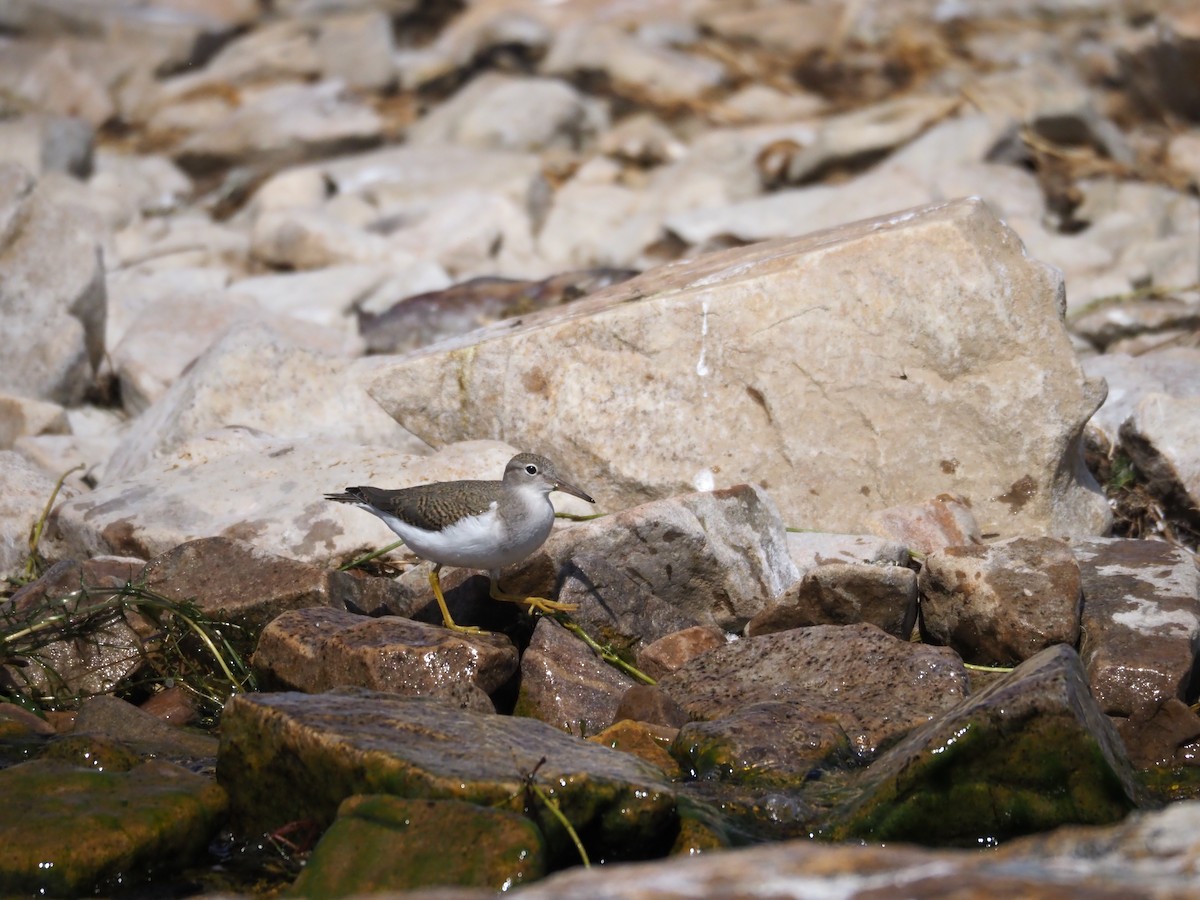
x=429, y=506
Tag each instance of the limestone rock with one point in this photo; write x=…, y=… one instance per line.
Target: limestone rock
x=261, y=490
x=810, y=549
x=999, y=604
x=254, y=377
x=24, y=492
x=51, y=295
x=1162, y=438
x=944, y=521
x=692, y=336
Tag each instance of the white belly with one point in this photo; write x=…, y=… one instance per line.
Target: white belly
x=480, y=542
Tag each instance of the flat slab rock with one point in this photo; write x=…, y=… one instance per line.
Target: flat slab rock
x=1141, y=622
x=316, y=649
x=370, y=742
x=877, y=687
x=732, y=367
x=1151, y=855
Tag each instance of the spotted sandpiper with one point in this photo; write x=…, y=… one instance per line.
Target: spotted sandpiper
x=473, y=524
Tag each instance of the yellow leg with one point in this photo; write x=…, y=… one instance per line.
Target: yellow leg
x=541, y=604
x=436, y=584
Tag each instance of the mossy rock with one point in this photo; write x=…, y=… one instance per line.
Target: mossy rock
x=382, y=843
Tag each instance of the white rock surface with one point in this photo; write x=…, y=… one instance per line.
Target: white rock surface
x=255, y=378
x=803, y=351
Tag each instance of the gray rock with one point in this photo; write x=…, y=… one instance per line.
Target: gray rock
x=413, y=747
x=565, y=684
x=1031, y=752
x=283, y=124
x=42, y=143
x=357, y=48
x=112, y=717
x=1162, y=438
x=51, y=296
x=999, y=604
x=265, y=491
x=877, y=687
x=692, y=337
x=712, y=558
x=1130, y=379
x=316, y=649
x=810, y=549
x=504, y=112
x=255, y=378
x=1141, y=622
x=24, y=492
x=845, y=594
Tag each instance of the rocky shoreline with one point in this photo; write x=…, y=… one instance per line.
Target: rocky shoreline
x=871, y=330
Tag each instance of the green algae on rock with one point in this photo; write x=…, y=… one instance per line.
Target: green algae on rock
x=1029, y=753
x=290, y=756
x=383, y=843
x=69, y=830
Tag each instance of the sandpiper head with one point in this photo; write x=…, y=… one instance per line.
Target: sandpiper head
x=531, y=469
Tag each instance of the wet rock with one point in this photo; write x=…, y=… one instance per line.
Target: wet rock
x=944, y=521
x=1162, y=438
x=423, y=749
x=256, y=378
x=648, y=742
x=172, y=705
x=1028, y=753
x=111, y=717
x=261, y=490
x=64, y=663
x=1141, y=622
x=649, y=704
x=878, y=688
x=380, y=843
x=768, y=743
x=167, y=817
x=845, y=594
x=498, y=111
x=671, y=651
x=998, y=604
x=678, y=333
x=52, y=295
x=565, y=684
x=313, y=650
x=242, y=583
x=1147, y=855
x=1165, y=736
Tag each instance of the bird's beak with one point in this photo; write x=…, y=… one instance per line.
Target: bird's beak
x=568, y=488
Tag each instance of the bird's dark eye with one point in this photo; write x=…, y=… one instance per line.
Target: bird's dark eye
x=531, y=469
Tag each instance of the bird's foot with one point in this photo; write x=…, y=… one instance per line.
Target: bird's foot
x=436, y=584
x=541, y=604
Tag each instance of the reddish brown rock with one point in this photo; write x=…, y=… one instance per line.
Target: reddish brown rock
x=669, y=652
x=998, y=604
x=845, y=594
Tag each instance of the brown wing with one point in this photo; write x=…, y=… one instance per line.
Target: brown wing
x=431, y=506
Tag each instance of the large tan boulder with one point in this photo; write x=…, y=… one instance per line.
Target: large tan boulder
x=879, y=363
